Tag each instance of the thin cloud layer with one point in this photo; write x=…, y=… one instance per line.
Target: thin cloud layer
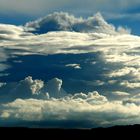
x=44, y=6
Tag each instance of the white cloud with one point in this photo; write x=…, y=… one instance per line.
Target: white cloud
x=114, y=49
x=80, y=6
x=116, y=72
x=135, y=99
x=119, y=95
x=126, y=71
x=118, y=48
x=54, y=88
x=130, y=84
x=123, y=30
x=25, y=7
x=29, y=88
x=75, y=66
x=91, y=107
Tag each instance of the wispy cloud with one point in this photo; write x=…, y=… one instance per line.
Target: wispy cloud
x=125, y=16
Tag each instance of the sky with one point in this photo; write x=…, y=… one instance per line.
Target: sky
x=66, y=71
x=117, y=12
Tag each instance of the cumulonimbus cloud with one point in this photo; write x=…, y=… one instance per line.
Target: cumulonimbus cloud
x=92, y=107
x=66, y=22
x=44, y=6
x=109, y=62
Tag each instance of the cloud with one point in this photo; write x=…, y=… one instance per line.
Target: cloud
x=39, y=102
x=81, y=7
x=135, y=99
x=125, y=16
x=75, y=66
x=10, y=29
x=91, y=107
x=16, y=39
x=116, y=55
x=119, y=95
x=54, y=88
x=25, y=8
x=129, y=71
x=65, y=22
x=102, y=93
x=12, y=32
x=29, y=88
x=130, y=84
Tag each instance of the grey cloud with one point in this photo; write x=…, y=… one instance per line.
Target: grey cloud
x=66, y=22
x=25, y=7
x=29, y=88
x=113, y=69
x=122, y=16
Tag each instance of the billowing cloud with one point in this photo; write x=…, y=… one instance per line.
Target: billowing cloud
x=44, y=6
x=92, y=107
x=16, y=38
x=65, y=22
x=104, y=92
x=29, y=88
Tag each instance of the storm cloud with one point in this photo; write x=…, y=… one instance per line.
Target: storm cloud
x=88, y=75
x=44, y=6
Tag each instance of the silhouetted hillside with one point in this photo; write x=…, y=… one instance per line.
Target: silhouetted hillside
x=111, y=132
